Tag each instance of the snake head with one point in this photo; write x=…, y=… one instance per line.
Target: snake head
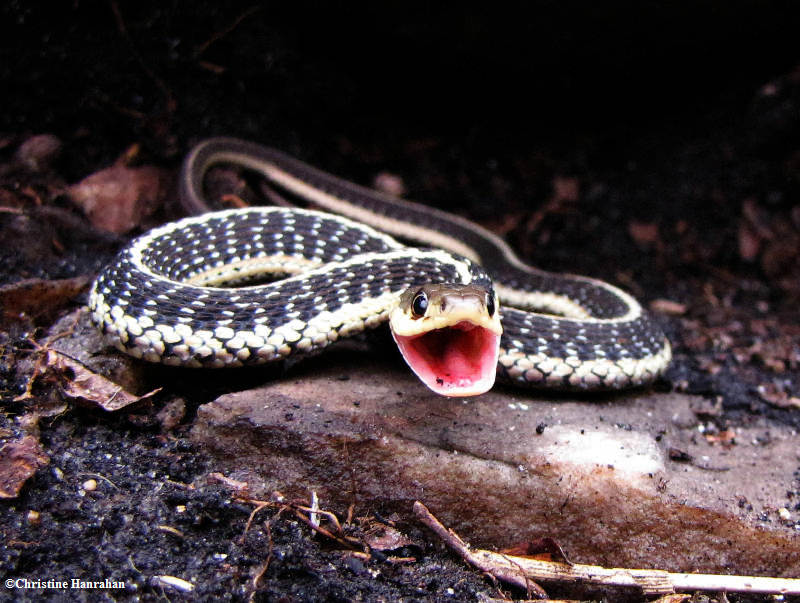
x=450, y=336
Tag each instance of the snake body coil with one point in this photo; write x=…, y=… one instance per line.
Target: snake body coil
x=171, y=296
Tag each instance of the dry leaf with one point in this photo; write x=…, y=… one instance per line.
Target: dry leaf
x=84, y=384
x=19, y=460
x=645, y=234
x=39, y=298
x=116, y=199
x=749, y=242
x=566, y=188
x=386, y=538
x=38, y=152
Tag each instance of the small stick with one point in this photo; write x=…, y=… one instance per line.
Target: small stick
x=264, y=566
x=506, y=570
x=521, y=570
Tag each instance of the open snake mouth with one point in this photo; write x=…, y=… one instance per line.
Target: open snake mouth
x=456, y=360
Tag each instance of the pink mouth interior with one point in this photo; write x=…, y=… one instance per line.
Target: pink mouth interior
x=460, y=360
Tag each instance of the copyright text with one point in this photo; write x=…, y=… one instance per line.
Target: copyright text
x=63, y=584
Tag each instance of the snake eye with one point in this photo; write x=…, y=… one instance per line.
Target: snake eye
x=490, y=308
x=419, y=305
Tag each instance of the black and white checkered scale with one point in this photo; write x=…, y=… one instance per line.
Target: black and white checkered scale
x=175, y=295
x=171, y=296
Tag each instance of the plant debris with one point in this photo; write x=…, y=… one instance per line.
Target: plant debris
x=83, y=384
x=117, y=199
x=38, y=300
x=19, y=460
x=524, y=572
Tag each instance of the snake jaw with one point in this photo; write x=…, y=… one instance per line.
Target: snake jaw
x=460, y=360
x=452, y=340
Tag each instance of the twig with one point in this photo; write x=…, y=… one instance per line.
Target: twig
x=521, y=570
x=346, y=541
x=42, y=350
x=259, y=505
x=171, y=530
x=304, y=514
x=225, y=31
x=264, y=566
x=317, y=511
x=506, y=570
x=313, y=516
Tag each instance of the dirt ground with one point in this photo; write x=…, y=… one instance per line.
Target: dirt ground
x=655, y=148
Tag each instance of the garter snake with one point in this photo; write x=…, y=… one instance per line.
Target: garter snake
x=182, y=294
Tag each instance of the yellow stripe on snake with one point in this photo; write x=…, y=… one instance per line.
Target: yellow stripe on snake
x=462, y=309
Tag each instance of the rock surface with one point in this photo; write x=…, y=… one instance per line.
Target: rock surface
x=512, y=466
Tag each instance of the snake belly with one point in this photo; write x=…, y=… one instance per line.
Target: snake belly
x=168, y=296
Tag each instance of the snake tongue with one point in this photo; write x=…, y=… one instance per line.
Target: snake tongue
x=458, y=360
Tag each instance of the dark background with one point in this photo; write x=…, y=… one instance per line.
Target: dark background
x=661, y=110
x=514, y=78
